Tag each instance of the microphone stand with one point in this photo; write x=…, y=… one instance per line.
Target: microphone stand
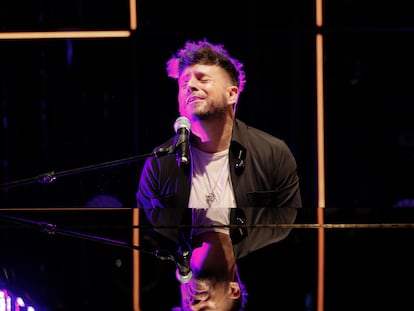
x=49, y=177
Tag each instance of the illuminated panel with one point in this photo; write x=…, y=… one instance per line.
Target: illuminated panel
x=64, y=34
x=76, y=34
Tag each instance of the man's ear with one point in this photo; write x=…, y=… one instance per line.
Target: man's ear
x=233, y=94
x=234, y=290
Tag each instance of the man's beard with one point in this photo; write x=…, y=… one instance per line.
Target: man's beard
x=204, y=115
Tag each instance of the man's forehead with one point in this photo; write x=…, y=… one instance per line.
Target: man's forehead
x=202, y=69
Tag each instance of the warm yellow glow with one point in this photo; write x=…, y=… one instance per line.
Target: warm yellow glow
x=321, y=262
x=64, y=34
x=320, y=155
x=319, y=16
x=135, y=260
x=320, y=120
x=133, y=14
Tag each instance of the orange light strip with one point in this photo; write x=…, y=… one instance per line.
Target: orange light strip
x=320, y=121
x=321, y=262
x=136, y=304
x=135, y=260
x=319, y=15
x=320, y=156
x=64, y=34
x=133, y=24
x=136, y=286
x=321, y=169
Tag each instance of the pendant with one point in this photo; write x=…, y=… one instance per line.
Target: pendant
x=210, y=198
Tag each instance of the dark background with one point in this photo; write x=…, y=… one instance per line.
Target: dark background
x=67, y=104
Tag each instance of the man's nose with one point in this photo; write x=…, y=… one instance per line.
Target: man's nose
x=192, y=84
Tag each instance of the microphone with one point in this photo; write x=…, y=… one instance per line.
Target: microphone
x=182, y=260
x=182, y=150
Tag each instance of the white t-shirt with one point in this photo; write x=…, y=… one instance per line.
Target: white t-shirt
x=211, y=195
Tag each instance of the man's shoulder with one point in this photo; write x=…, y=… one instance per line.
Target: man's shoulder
x=254, y=134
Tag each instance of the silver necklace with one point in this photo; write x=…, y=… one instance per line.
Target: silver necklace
x=211, y=195
x=210, y=198
x=208, y=169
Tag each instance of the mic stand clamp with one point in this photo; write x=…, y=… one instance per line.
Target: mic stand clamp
x=182, y=259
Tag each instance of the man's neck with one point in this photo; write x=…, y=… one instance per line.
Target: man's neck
x=212, y=136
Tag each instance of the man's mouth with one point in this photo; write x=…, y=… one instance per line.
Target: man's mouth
x=192, y=99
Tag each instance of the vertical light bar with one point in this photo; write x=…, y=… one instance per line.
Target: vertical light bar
x=319, y=15
x=321, y=155
x=136, y=290
x=135, y=261
x=133, y=15
x=320, y=121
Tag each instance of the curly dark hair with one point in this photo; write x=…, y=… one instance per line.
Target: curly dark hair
x=206, y=53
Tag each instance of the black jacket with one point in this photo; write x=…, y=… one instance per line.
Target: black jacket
x=266, y=187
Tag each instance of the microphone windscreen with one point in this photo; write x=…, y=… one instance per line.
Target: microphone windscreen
x=182, y=122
